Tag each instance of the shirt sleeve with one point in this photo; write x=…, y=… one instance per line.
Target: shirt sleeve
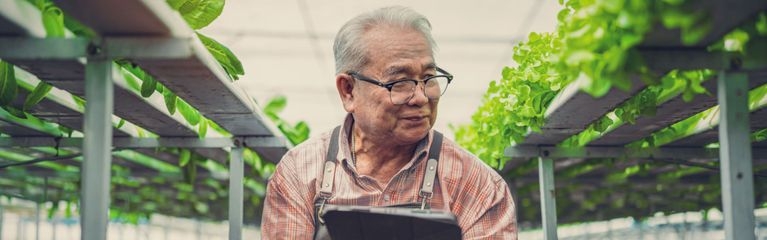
x=288, y=214
x=491, y=215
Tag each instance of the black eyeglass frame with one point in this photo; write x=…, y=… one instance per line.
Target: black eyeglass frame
x=390, y=85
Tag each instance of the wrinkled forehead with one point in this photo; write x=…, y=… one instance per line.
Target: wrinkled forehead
x=395, y=50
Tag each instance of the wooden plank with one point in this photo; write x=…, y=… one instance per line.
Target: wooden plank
x=19, y=131
x=149, y=114
x=668, y=113
x=572, y=111
x=200, y=79
x=197, y=79
x=723, y=16
x=122, y=18
x=67, y=116
x=661, y=61
x=54, y=112
x=758, y=120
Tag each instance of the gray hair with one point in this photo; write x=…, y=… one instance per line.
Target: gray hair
x=349, y=49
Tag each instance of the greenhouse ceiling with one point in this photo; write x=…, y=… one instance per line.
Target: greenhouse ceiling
x=285, y=48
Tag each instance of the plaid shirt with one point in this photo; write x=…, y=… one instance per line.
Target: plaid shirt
x=471, y=190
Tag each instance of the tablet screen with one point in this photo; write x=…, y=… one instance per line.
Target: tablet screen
x=359, y=222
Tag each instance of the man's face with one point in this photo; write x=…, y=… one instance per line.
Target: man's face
x=395, y=53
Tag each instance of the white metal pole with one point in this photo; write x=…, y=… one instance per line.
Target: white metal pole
x=735, y=155
x=2, y=213
x=198, y=229
x=548, y=200
x=21, y=228
x=37, y=221
x=236, y=167
x=54, y=225
x=97, y=145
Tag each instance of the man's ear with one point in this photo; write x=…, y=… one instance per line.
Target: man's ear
x=345, y=85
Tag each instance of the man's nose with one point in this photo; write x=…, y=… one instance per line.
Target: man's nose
x=419, y=96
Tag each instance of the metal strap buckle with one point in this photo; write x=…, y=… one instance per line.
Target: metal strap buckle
x=424, y=196
x=319, y=211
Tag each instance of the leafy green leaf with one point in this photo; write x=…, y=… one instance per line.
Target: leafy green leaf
x=170, y=101
x=79, y=101
x=224, y=56
x=191, y=115
x=302, y=131
x=184, y=156
x=120, y=123
x=198, y=13
x=201, y=207
x=8, y=87
x=602, y=124
x=148, y=86
x=37, y=95
x=191, y=171
x=761, y=24
x=53, y=21
x=202, y=128
x=129, y=74
x=275, y=106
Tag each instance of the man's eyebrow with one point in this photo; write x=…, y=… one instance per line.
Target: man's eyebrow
x=395, y=70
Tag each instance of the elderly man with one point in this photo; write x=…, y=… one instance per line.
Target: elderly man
x=390, y=85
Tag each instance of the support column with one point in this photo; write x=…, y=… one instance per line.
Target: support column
x=97, y=144
x=548, y=200
x=41, y=202
x=735, y=156
x=198, y=229
x=37, y=220
x=2, y=218
x=20, y=228
x=236, y=167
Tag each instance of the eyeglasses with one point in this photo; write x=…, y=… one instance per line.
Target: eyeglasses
x=401, y=91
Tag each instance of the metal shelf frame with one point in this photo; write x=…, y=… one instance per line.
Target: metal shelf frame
x=166, y=48
x=662, y=50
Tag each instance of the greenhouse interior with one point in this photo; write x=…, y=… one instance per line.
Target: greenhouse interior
x=607, y=119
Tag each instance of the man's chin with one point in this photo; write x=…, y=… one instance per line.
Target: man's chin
x=414, y=135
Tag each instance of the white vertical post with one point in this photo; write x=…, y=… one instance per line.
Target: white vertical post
x=198, y=229
x=54, y=225
x=735, y=155
x=97, y=144
x=236, y=173
x=21, y=229
x=548, y=200
x=2, y=215
x=37, y=220
x=42, y=201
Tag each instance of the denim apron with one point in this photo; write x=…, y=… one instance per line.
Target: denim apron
x=328, y=175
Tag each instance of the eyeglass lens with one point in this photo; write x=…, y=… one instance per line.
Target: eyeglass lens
x=434, y=87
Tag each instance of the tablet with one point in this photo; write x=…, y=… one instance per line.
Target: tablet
x=372, y=223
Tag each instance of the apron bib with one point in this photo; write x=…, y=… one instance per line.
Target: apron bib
x=328, y=175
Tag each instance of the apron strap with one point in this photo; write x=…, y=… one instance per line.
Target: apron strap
x=328, y=173
x=427, y=187
x=329, y=170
